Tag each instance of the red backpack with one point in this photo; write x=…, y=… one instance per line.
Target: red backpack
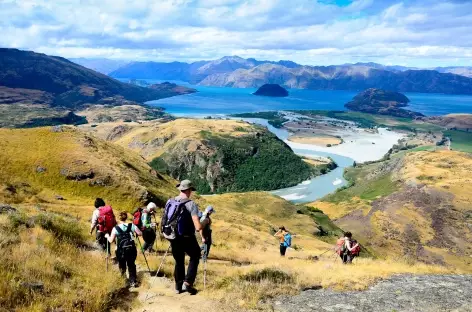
x=137, y=218
x=106, y=219
x=355, y=251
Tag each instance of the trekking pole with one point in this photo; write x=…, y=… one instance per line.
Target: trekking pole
x=162, y=261
x=108, y=252
x=324, y=252
x=205, y=256
x=142, y=250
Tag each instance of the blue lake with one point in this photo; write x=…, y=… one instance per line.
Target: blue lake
x=215, y=100
x=222, y=101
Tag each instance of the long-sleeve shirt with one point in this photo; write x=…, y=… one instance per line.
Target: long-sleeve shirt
x=95, y=215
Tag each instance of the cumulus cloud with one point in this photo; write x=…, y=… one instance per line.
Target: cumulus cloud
x=416, y=33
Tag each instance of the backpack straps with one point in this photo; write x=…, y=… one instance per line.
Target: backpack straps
x=119, y=230
x=128, y=229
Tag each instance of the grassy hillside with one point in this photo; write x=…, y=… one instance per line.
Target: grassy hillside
x=218, y=155
x=46, y=265
x=414, y=206
x=460, y=140
x=47, y=244
x=36, y=165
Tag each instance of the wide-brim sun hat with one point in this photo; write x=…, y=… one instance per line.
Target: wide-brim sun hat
x=186, y=185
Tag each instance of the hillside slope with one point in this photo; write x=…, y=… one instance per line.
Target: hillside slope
x=416, y=205
x=52, y=175
x=49, y=89
x=42, y=165
x=70, y=83
x=218, y=155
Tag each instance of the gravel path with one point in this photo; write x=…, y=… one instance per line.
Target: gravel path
x=399, y=293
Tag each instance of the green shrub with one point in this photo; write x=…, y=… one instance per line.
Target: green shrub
x=268, y=274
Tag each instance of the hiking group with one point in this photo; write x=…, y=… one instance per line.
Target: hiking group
x=180, y=221
x=346, y=247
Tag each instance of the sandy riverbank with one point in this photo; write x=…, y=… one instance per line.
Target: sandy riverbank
x=315, y=140
x=360, y=145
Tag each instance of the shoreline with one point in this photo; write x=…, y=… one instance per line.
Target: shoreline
x=362, y=146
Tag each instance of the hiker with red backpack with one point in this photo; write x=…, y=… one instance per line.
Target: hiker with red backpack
x=179, y=223
x=103, y=220
x=142, y=219
x=347, y=248
x=126, y=252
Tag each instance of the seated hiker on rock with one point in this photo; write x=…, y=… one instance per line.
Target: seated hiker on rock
x=205, y=232
x=347, y=248
x=126, y=252
x=103, y=220
x=148, y=227
x=285, y=240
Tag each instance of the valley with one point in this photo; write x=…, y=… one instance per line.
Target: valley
x=398, y=178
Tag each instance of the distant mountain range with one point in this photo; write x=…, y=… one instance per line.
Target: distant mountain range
x=234, y=71
x=68, y=84
x=38, y=89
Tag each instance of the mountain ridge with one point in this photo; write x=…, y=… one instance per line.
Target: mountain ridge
x=234, y=71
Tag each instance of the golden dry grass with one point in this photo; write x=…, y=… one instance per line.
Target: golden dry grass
x=128, y=178
x=447, y=170
x=140, y=137
x=73, y=278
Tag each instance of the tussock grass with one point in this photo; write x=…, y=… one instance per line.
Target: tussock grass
x=34, y=164
x=42, y=268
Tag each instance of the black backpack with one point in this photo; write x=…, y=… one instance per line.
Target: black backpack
x=125, y=241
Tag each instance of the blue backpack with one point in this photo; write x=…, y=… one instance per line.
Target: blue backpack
x=176, y=220
x=287, y=240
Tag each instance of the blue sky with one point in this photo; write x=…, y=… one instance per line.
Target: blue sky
x=422, y=33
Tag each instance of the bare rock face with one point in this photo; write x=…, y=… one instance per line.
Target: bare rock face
x=77, y=175
x=4, y=208
x=402, y=293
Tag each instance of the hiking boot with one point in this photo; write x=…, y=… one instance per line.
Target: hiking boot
x=178, y=289
x=133, y=284
x=189, y=288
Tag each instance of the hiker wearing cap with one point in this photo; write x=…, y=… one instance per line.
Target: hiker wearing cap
x=126, y=252
x=148, y=227
x=285, y=239
x=179, y=223
x=205, y=232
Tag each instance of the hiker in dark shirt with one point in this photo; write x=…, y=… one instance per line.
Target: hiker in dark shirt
x=183, y=240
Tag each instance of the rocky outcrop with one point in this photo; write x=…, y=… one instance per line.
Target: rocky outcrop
x=402, y=293
x=271, y=90
x=378, y=101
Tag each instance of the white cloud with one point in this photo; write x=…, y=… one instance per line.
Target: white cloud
x=308, y=31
